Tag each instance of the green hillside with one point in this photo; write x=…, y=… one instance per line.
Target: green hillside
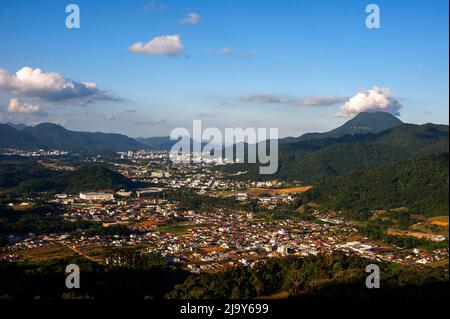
x=403, y=166
x=50, y=136
x=316, y=160
x=421, y=185
x=29, y=177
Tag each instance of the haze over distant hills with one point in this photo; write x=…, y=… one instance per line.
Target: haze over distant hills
x=159, y=143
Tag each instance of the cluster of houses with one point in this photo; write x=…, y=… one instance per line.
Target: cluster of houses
x=204, y=241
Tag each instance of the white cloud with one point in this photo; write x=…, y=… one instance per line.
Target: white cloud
x=151, y=121
x=16, y=106
x=281, y=99
x=232, y=51
x=226, y=50
x=192, y=18
x=50, y=86
x=18, y=111
x=154, y=5
x=163, y=45
x=376, y=99
x=157, y=121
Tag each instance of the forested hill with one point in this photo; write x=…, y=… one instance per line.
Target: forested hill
x=315, y=160
x=311, y=161
x=421, y=185
x=55, y=137
x=403, y=166
x=30, y=177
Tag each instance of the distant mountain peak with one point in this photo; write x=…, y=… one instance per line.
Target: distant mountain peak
x=377, y=115
x=363, y=123
x=368, y=122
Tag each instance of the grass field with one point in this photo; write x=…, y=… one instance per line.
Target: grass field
x=176, y=229
x=47, y=252
x=439, y=263
x=271, y=191
x=384, y=214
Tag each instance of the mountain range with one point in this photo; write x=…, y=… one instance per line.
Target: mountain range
x=312, y=160
x=52, y=136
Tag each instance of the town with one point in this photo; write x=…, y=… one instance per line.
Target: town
x=226, y=234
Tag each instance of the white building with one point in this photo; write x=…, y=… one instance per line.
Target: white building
x=123, y=193
x=96, y=196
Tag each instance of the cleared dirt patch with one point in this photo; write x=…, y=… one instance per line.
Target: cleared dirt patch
x=438, y=223
x=441, y=221
x=399, y=232
x=213, y=248
x=150, y=223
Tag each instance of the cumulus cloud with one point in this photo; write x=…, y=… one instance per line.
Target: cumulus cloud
x=191, y=18
x=49, y=86
x=163, y=45
x=21, y=111
x=16, y=106
x=281, y=99
x=376, y=99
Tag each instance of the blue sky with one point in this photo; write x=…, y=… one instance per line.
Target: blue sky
x=243, y=63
